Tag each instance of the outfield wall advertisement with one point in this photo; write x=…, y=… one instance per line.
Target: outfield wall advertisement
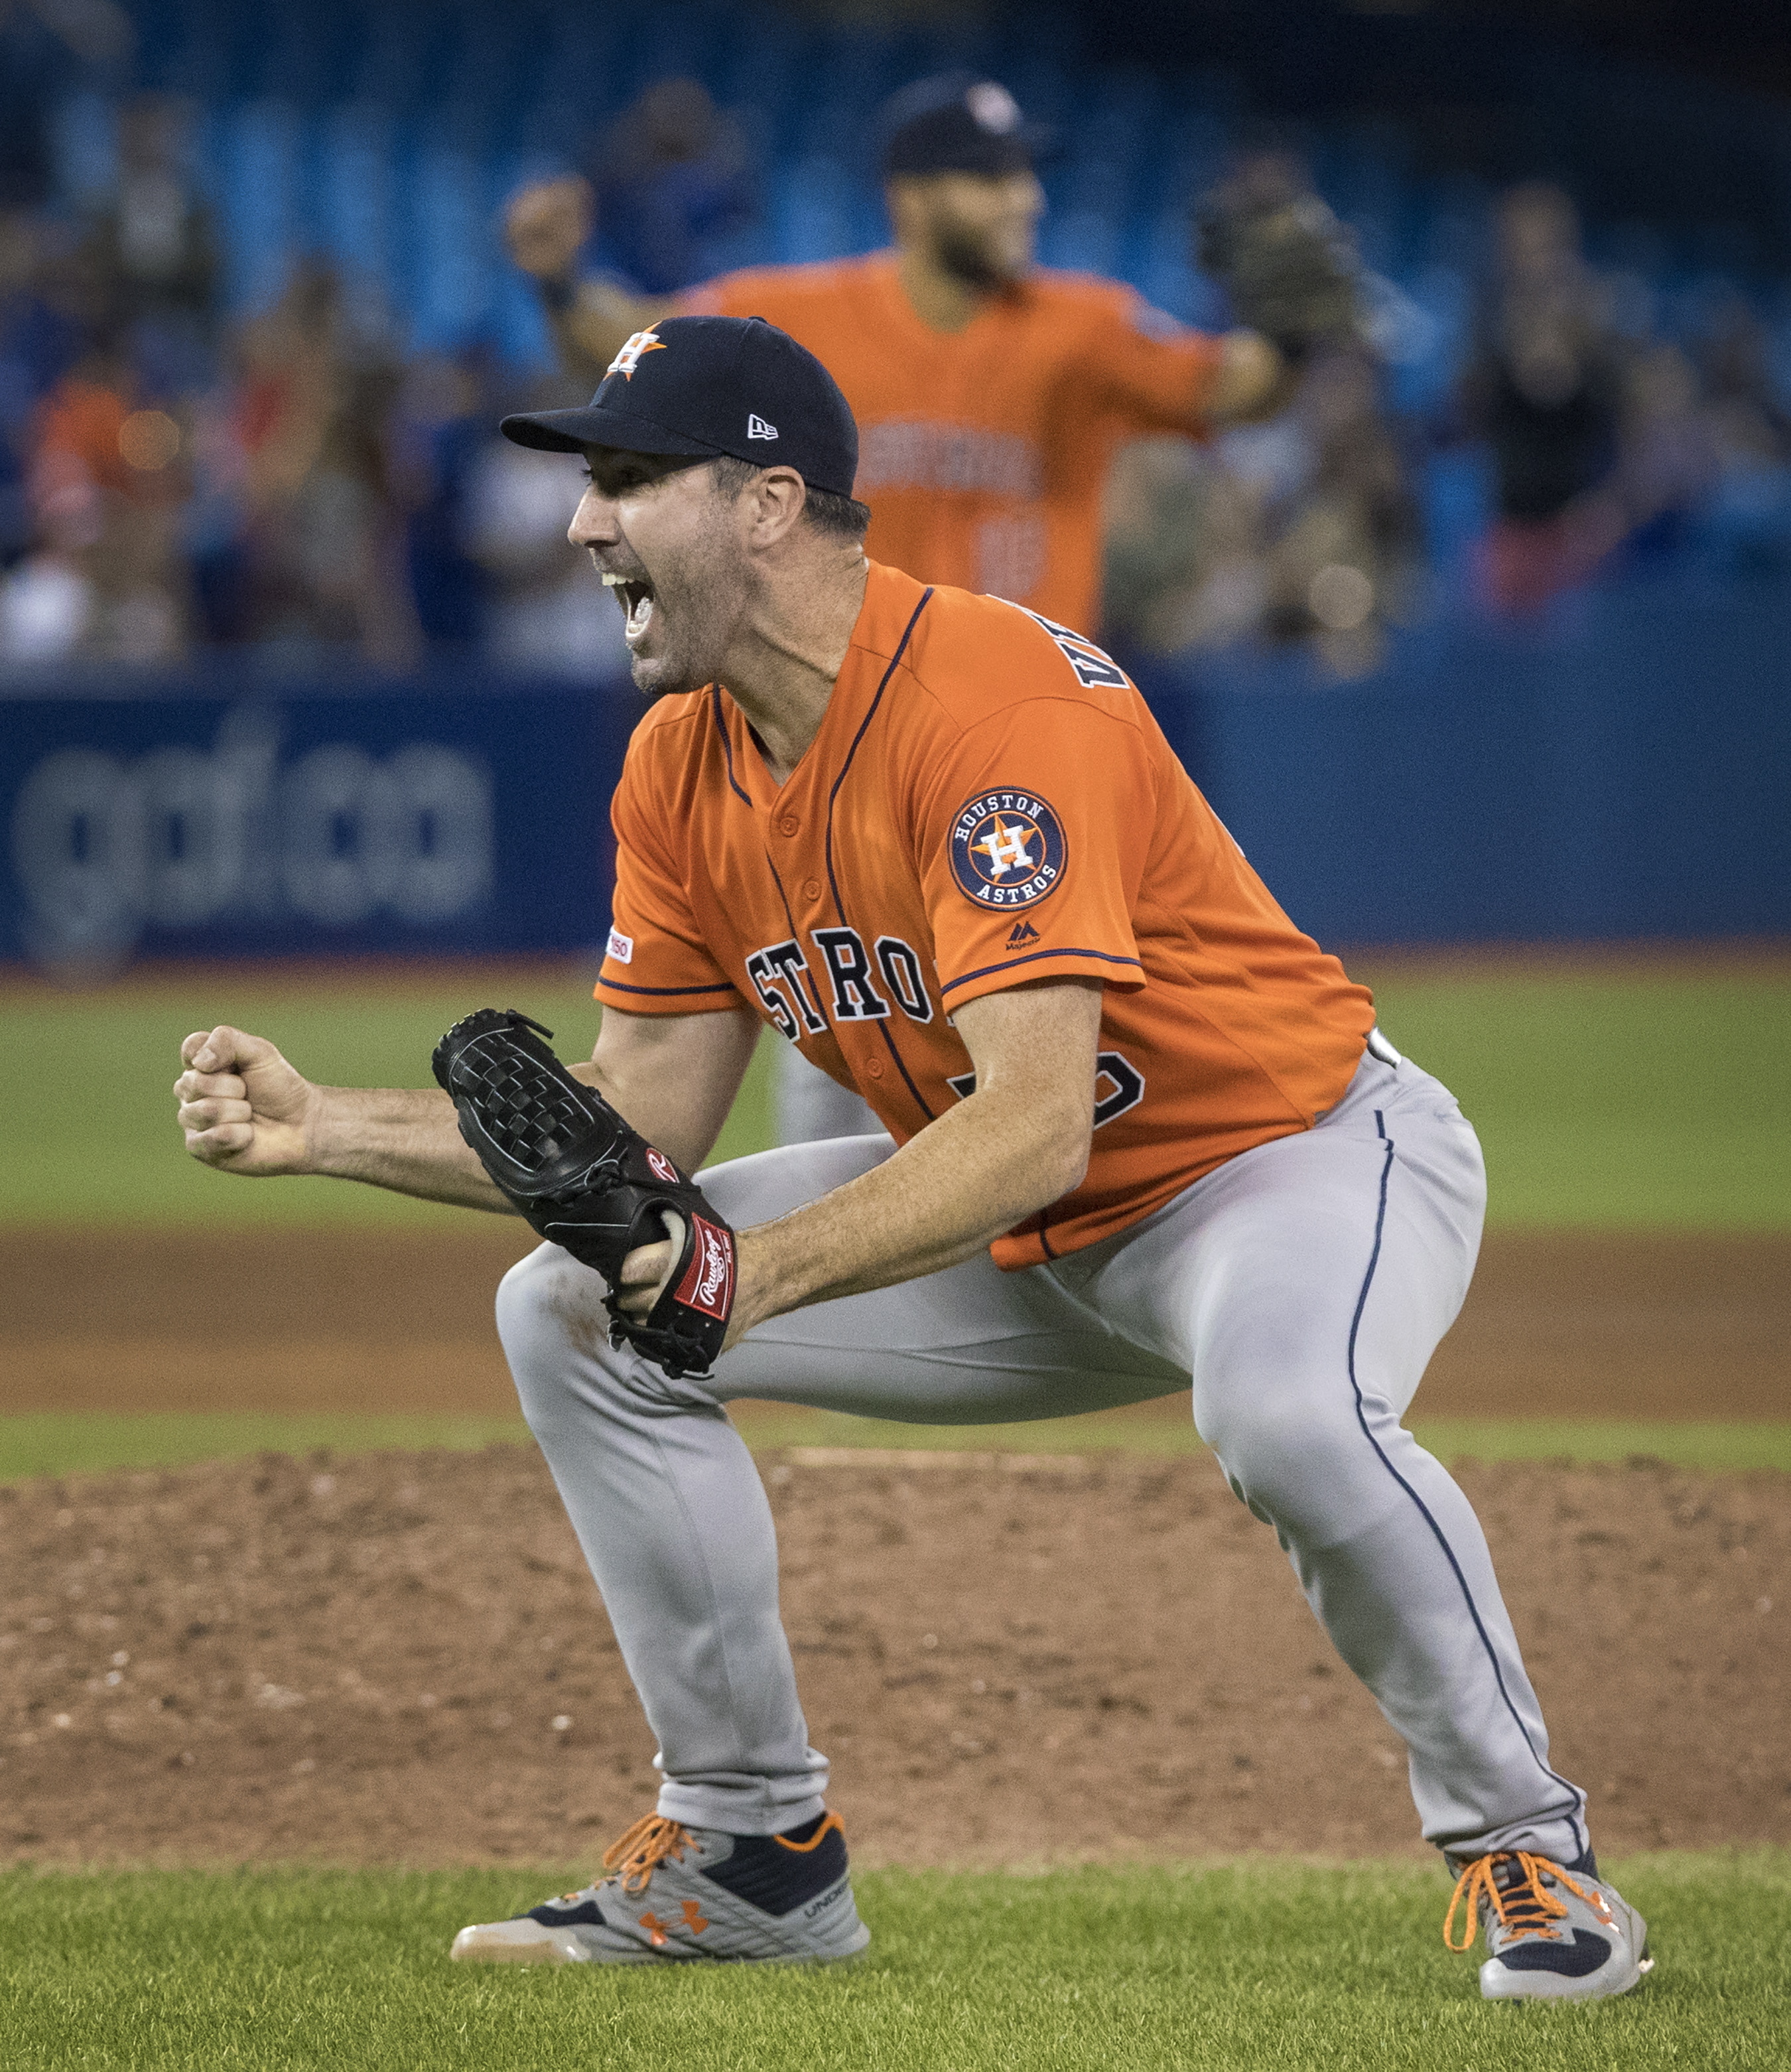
x=1622, y=772
x=175, y=820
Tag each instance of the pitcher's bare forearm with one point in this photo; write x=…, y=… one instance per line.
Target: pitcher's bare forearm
x=673, y=1078
x=1018, y=1143
x=245, y=1109
x=944, y=1197
x=407, y=1140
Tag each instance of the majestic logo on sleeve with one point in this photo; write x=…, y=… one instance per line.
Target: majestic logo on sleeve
x=630, y=357
x=1007, y=849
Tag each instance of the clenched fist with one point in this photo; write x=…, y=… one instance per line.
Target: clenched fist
x=546, y=226
x=242, y=1107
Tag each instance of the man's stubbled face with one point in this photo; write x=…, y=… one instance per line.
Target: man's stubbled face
x=665, y=538
x=982, y=228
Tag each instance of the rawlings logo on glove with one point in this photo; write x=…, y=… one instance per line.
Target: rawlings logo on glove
x=708, y=1284
x=583, y=1179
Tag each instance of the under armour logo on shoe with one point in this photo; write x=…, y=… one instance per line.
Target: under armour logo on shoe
x=694, y=1920
x=655, y=1930
x=1024, y=931
x=758, y=429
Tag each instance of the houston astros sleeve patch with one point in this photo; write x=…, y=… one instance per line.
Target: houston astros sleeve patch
x=1007, y=848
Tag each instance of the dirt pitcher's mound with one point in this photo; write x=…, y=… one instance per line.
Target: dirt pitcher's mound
x=401, y=1658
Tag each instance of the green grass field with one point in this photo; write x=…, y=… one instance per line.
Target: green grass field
x=97, y=1141
x=1231, y=1967
x=1611, y=1101
x=1604, y=1100
x=94, y=1442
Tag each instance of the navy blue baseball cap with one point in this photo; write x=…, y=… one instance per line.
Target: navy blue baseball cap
x=709, y=386
x=958, y=123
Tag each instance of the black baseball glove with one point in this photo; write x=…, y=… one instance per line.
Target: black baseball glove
x=1288, y=266
x=585, y=1180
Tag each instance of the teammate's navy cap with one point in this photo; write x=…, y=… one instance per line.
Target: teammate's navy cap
x=958, y=123
x=707, y=386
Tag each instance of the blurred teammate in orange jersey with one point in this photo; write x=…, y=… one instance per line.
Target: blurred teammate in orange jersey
x=991, y=394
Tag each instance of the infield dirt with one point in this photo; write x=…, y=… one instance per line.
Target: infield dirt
x=401, y=1658
x=370, y=1659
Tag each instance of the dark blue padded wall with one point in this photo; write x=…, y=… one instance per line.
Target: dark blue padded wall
x=1623, y=773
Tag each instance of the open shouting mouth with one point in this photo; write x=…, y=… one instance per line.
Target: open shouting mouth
x=635, y=595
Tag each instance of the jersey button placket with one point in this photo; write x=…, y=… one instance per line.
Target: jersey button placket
x=811, y=888
x=789, y=825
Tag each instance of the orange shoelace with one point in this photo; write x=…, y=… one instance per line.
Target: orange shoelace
x=1525, y=1907
x=646, y=1845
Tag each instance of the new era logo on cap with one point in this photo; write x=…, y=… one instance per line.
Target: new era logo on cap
x=758, y=429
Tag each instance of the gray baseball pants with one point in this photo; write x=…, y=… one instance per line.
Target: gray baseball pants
x=807, y=1105
x=1300, y=1289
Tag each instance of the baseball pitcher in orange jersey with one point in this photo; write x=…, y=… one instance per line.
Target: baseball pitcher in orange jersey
x=1139, y=1134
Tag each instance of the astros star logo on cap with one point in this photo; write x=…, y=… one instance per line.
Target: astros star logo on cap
x=630, y=357
x=994, y=108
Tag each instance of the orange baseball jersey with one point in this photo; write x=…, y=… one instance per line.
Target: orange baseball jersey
x=984, y=453
x=988, y=801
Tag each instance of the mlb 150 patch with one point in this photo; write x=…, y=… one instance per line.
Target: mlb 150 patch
x=1007, y=849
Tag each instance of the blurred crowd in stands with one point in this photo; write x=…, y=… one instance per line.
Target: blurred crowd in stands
x=170, y=481
x=173, y=480
x=1603, y=445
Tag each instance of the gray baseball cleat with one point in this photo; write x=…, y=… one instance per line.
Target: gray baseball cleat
x=680, y=1895
x=1553, y=1933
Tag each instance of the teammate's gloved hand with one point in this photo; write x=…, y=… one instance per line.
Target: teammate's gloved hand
x=585, y=1180
x=1289, y=268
